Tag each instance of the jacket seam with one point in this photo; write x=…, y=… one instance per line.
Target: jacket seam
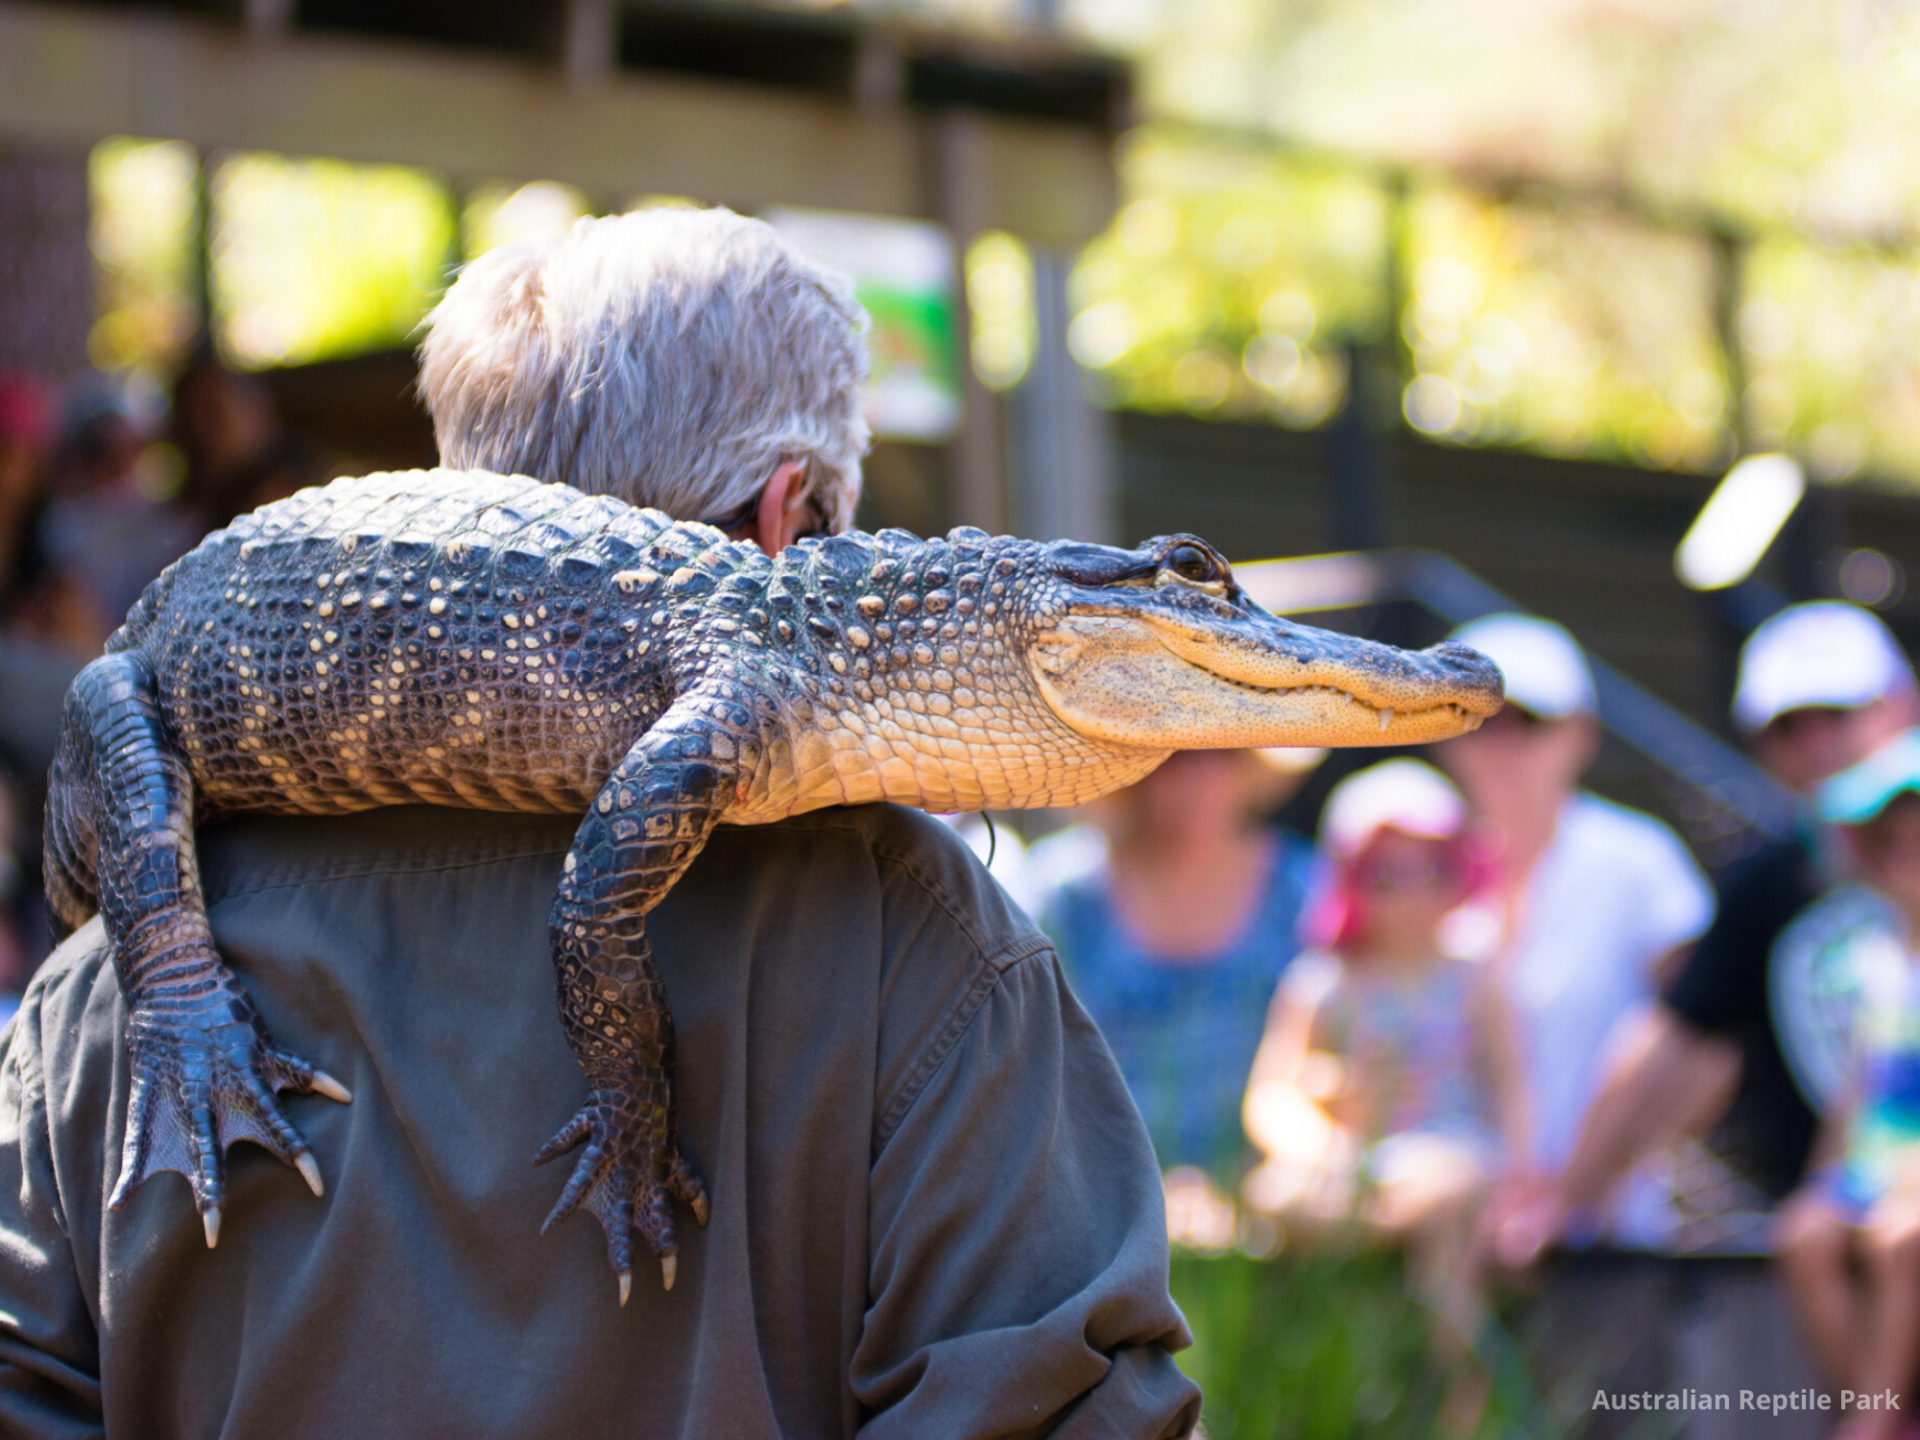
x=986, y=979
x=908, y=865
x=28, y=1063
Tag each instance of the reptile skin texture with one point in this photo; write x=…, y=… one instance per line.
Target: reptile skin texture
x=494, y=642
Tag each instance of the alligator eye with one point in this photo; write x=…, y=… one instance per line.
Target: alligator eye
x=1190, y=562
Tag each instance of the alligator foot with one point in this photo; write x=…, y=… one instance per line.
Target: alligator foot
x=630, y=1174
x=205, y=1073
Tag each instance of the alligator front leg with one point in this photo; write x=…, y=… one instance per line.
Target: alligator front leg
x=205, y=1070
x=645, y=827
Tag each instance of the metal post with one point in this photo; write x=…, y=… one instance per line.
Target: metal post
x=1360, y=439
x=979, y=493
x=589, y=36
x=1062, y=450
x=1357, y=461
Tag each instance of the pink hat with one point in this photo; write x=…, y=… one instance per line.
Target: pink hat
x=25, y=414
x=1405, y=795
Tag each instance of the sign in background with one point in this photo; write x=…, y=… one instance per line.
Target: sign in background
x=903, y=273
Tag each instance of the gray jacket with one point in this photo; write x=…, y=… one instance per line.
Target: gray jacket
x=936, y=1214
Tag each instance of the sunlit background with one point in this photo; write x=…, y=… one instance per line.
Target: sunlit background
x=1607, y=308
x=1690, y=238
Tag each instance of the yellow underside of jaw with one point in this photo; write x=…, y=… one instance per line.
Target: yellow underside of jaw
x=1218, y=713
x=1122, y=682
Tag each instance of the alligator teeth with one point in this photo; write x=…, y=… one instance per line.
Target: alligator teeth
x=1386, y=719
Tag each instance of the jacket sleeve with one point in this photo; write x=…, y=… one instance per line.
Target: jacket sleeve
x=1018, y=1267
x=49, y=1348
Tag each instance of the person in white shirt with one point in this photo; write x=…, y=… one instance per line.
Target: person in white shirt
x=1591, y=905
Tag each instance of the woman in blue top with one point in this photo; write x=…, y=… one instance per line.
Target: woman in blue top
x=1174, y=933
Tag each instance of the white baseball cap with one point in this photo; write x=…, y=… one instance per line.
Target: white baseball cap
x=1404, y=795
x=1546, y=672
x=1825, y=654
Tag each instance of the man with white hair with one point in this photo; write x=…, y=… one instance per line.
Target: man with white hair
x=934, y=1210
x=690, y=360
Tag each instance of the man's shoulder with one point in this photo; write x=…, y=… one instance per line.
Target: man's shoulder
x=62, y=1045
x=902, y=863
x=917, y=862
x=947, y=935
x=868, y=899
x=61, y=999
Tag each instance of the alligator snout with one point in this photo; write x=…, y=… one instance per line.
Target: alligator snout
x=1178, y=678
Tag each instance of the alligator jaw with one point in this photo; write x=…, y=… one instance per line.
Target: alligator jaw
x=1137, y=680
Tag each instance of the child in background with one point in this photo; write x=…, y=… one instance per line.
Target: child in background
x=1387, y=1085
x=1849, y=1240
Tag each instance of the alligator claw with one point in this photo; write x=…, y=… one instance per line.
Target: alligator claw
x=205, y=1075
x=626, y=1178
x=325, y=1084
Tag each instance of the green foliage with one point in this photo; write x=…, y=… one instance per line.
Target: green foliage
x=1571, y=329
x=314, y=259
x=144, y=232
x=1231, y=281
x=1236, y=275
x=1326, y=1344
x=1831, y=340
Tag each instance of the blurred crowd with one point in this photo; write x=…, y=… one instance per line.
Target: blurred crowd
x=1491, y=1017
x=103, y=482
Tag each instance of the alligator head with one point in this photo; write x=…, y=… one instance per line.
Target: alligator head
x=1158, y=648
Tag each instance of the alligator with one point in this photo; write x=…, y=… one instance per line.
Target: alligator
x=497, y=642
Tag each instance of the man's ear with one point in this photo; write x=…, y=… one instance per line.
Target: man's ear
x=783, y=502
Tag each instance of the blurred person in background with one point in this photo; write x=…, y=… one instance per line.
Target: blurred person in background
x=1588, y=904
x=1175, y=917
x=1389, y=1082
x=934, y=1209
x=26, y=427
x=1820, y=687
x=108, y=528
x=31, y=683
x=1850, y=1236
x=18, y=887
x=235, y=456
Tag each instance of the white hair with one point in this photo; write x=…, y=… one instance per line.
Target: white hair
x=672, y=358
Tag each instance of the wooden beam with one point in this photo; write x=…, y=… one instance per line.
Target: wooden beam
x=69, y=77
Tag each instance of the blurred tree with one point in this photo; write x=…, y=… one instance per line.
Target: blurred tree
x=313, y=259
x=1232, y=280
x=535, y=213
x=145, y=233
x=1580, y=325
x=1831, y=343
x=1569, y=328
x=999, y=271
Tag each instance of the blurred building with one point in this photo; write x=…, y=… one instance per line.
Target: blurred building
x=296, y=178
